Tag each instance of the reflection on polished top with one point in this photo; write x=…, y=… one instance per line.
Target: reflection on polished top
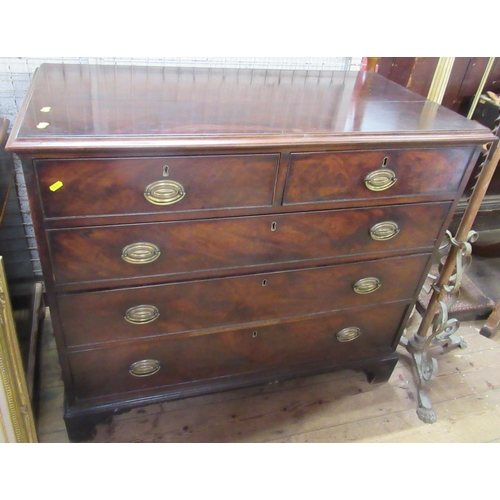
x=96, y=105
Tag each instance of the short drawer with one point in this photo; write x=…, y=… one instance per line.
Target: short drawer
x=130, y=251
x=97, y=187
x=338, y=338
x=217, y=303
x=328, y=177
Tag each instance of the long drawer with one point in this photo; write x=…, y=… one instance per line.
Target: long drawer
x=224, y=302
x=380, y=175
x=93, y=187
x=128, y=251
x=344, y=336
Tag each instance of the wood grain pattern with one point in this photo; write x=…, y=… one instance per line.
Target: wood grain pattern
x=185, y=108
x=338, y=407
x=94, y=254
x=320, y=177
x=101, y=372
x=414, y=73
x=251, y=148
x=224, y=302
x=113, y=187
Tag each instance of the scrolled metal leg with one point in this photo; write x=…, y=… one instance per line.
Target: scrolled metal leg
x=424, y=410
x=448, y=284
x=444, y=328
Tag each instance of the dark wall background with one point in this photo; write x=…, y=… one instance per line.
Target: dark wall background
x=416, y=74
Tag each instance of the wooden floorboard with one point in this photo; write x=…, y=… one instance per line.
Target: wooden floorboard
x=340, y=407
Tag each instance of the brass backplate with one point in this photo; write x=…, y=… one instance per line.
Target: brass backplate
x=144, y=368
x=367, y=285
x=348, y=334
x=164, y=192
x=140, y=253
x=380, y=180
x=384, y=231
x=141, y=315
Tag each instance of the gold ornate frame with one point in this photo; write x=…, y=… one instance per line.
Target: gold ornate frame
x=16, y=415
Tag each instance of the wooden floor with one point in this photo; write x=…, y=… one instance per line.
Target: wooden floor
x=333, y=408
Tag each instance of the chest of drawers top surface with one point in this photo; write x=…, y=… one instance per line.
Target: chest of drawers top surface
x=202, y=229
x=108, y=108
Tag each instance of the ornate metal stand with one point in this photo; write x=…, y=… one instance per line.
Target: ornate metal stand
x=445, y=290
x=443, y=328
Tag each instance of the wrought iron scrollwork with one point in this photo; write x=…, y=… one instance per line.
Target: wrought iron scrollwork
x=445, y=287
x=444, y=328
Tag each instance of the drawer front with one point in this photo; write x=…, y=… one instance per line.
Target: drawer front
x=224, y=302
x=165, y=361
x=89, y=254
x=155, y=185
x=327, y=177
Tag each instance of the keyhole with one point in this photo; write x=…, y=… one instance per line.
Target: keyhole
x=264, y=282
x=273, y=226
x=384, y=162
x=254, y=334
x=165, y=171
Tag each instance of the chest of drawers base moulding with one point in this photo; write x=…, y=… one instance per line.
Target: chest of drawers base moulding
x=287, y=217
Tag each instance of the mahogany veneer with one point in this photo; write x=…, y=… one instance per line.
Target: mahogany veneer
x=86, y=255
x=202, y=230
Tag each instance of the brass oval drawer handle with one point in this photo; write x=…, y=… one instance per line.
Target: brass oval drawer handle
x=140, y=315
x=380, y=180
x=144, y=368
x=164, y=192
x=367, y=285
x=348, y=334
x=140, y=253
x=384, y=231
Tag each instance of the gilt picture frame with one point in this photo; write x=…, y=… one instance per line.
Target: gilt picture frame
x=17, y=423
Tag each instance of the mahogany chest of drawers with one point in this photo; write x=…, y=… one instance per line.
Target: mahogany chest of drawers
x=202, y=230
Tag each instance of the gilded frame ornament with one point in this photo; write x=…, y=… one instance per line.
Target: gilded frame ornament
x=17, y=423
